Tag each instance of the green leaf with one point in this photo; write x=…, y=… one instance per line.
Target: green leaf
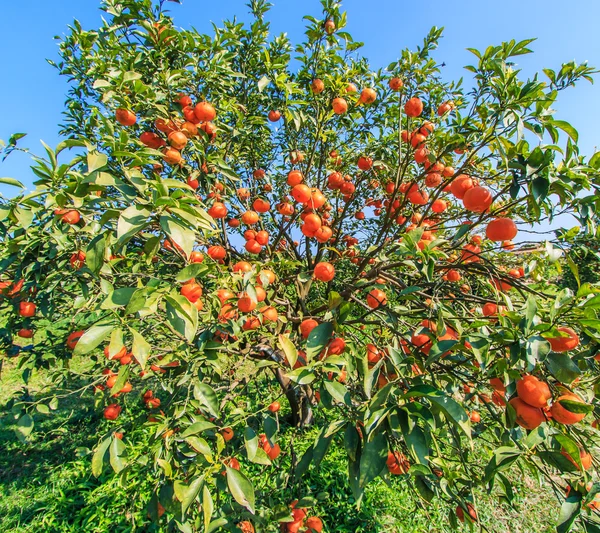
x=182, y=315
x=338, y=391
x=117, y=451
x=562, y=367
x=98, y=457
x=318, y=339
x=452, y=409
x=569, y=511
x=131, y=221
x=289, y=349
x=205, y=394
x=373, y=459
x=122, y=378
x=94, y=255
x=140, y=348
x=199, y=444
x=118, y=298
x=178, y=233
x=251, y=442
x=96, y=160
x=24, y=427
x=191, y=271
x=93, y=337
x=191, y=493
x=12, y=181
x=241, y=489
x=215, y=525
x=262, y=83
x=579, y=408
x=131, y=75
x=207, y=506
x=567, y=128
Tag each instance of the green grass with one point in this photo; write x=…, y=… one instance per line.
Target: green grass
x=46, y=484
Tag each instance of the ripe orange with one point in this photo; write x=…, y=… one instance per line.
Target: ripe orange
x=294, y=178
x=396, y=84
x=324, y=271
x=364, y=163
x=317, y=86
x=528, y=417
x=501, y=229
x=205, y=112
x=250, y=218
x=274, y=115
x=301, y=193
x=564, y=344
x=191, y=290
x=274, y=407
x=375, y=298
x=461, y=185
x=270, y=313
x=533, y=391
x=439, y=206
x=216, y=252
x=306, y=326
x=218, y=210
x=125, y=117
x=490, y=309
x=397, y=463
x=477, y=199
x=27, y=309
x=172, y=156
x=563, y=415
x=112, y=411
x=329, y=26
x=227, y=434
x=196, y=257
x=414, y=107
x=339, y=106
x=177, y=140
x=367, y=96
x=460, y=513
x=314, y=524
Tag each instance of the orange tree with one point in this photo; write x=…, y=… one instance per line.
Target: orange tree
x=248, y=225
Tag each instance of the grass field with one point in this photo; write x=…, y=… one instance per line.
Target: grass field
x=46, y=485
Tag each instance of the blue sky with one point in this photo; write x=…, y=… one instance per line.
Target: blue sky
x=32, y=94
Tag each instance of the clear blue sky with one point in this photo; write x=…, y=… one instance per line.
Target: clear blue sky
x=32, y=94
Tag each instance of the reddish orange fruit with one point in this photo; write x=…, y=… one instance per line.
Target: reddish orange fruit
x=324, y=271
x=564, y=344
x=477, y=199
x=274, y=115
x=461, y=185
x=317, y=86
x=460, y=513
x=528, y=417
x=501, y=229
x=396, y=84
x=306, y=326
x=367, y=96
x=205, y=112
x=125, y=117
x=562, y=415
x=533, y=391
x=414, y=107
x=339, y=106
x=112, y=411
x=375, y=298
